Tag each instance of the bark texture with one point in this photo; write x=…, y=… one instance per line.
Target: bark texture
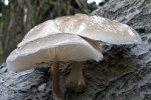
x=124, y=74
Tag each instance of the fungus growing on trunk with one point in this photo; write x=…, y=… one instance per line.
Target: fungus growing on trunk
x=69, y=38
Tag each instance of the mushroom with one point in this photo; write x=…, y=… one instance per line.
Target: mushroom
x=91, y=29
x=55, y=48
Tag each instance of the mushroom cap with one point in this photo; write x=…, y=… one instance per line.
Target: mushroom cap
x=98, y=28
x=92, y=27
x=67, y=47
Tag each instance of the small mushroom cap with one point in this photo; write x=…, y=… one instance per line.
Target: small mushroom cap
x=67, y=47
x=92, y=27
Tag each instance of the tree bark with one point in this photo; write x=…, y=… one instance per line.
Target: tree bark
x=136, y=13
x=124, y=74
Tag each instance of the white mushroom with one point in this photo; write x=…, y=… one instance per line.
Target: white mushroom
x=58, y=40
x=56, y=47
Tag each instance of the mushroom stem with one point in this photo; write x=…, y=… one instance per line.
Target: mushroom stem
x=75, y=81
x=57, y=94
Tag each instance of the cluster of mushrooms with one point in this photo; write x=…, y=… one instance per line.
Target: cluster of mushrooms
x=69, y=38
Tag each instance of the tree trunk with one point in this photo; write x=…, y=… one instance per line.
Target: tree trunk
x=124, y=74
x=136, y=13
